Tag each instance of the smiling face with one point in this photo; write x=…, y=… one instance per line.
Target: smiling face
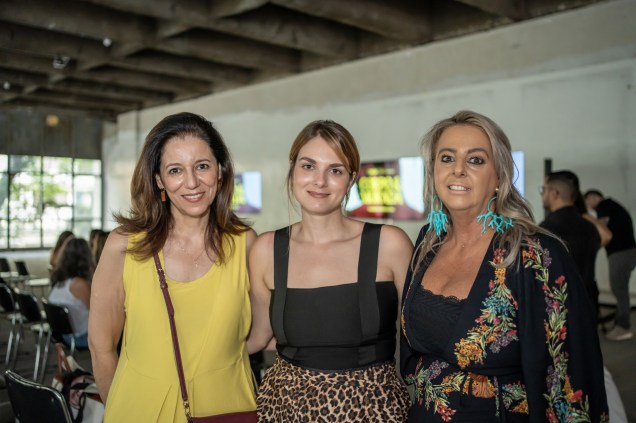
x=189, y=173
x=320, y=179
x=464, y=171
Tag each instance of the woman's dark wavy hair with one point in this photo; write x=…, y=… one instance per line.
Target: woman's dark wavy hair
x=150, y=215
x=75, y=260
x=61, y=239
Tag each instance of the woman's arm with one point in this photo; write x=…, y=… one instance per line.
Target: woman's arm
x=106, y=319
x=249, y=242
x=560, y=352
x=603, y=230
x=395, y=253
x=261, y=269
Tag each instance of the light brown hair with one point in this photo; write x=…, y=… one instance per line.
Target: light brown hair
x=338, y=138
x=509, y=201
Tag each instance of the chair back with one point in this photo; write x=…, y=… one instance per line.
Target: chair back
x=4, y=265
x=22, y=268
x=58, y=317
x=29, y=307
x=35, y=403
x=6, y=299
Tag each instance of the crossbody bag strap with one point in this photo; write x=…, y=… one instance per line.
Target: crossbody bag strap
x=173, y=331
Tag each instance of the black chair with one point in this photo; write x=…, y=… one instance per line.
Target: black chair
x=23, y=270
x=59, y=321
x=31, y=315
x=4, y=265
x=5, y=269
x=35, y=403
x=10, y=310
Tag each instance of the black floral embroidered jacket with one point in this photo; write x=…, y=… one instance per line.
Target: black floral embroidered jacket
x=525, y=347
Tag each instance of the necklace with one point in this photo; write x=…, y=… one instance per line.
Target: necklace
x=470, y=241
x=184, y=250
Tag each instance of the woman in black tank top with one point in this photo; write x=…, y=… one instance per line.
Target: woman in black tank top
x=327, y=289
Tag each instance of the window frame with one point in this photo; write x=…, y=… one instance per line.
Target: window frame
x=40, y=175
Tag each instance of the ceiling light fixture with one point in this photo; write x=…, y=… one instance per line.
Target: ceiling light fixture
x=52, y=120
x=60, y=62
x=107, y=42
x=6, y=85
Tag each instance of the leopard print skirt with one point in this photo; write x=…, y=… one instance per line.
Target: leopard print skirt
x=291, y=394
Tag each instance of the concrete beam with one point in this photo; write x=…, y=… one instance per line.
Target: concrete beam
x=378, y=16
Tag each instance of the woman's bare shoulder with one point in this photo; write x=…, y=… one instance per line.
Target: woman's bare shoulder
x=395, y=237
x=264, y=241
x=117, y=240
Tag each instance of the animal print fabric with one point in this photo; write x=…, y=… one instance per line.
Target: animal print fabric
x=290, y=393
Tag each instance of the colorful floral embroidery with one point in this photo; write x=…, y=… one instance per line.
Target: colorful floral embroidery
x=515, y=398
x=437, y=395
x=564, y=403
x=480, y=386
x=495, y=327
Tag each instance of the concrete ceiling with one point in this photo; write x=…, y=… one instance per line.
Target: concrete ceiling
x=106, y=57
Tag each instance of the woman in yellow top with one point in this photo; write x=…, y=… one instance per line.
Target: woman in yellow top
x=181, y=209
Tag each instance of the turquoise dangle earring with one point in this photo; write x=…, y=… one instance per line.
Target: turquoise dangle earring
x=495, y=221
x=437, y=218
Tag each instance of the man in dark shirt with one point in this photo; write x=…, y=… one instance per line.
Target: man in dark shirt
x=559, y=193
x=621, y=257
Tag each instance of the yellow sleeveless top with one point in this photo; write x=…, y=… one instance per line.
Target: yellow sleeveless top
x=212, y=316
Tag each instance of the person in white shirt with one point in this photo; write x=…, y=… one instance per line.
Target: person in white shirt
x=71, y=286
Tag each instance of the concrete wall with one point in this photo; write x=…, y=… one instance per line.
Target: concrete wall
x=562, y=87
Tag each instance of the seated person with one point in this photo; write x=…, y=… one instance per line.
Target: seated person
x=71, y=286
x=59, y=244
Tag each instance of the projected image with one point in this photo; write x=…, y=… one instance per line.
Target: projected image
x=390, y=189
x=247, y=196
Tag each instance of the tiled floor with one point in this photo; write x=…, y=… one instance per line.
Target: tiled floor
x=620, y=359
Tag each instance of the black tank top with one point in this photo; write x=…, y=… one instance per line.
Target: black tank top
x=334, y=327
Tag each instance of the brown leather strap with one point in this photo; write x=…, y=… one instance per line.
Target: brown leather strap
x=173, y=330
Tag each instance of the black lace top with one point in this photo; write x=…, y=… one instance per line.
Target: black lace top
x=433, y=317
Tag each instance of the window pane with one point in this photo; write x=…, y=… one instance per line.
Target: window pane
x=4, y=239
x=88, y=197
x=4, y=201
x=25, y=196
x=24, y=209
x=25, y=164
x=57, y=196
x=54, y=221
x=57, y=190
x=83, y=227
x=4, y=194
x=88, y=167
x=25, y=233
x=57, y=165
x=57, y=214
